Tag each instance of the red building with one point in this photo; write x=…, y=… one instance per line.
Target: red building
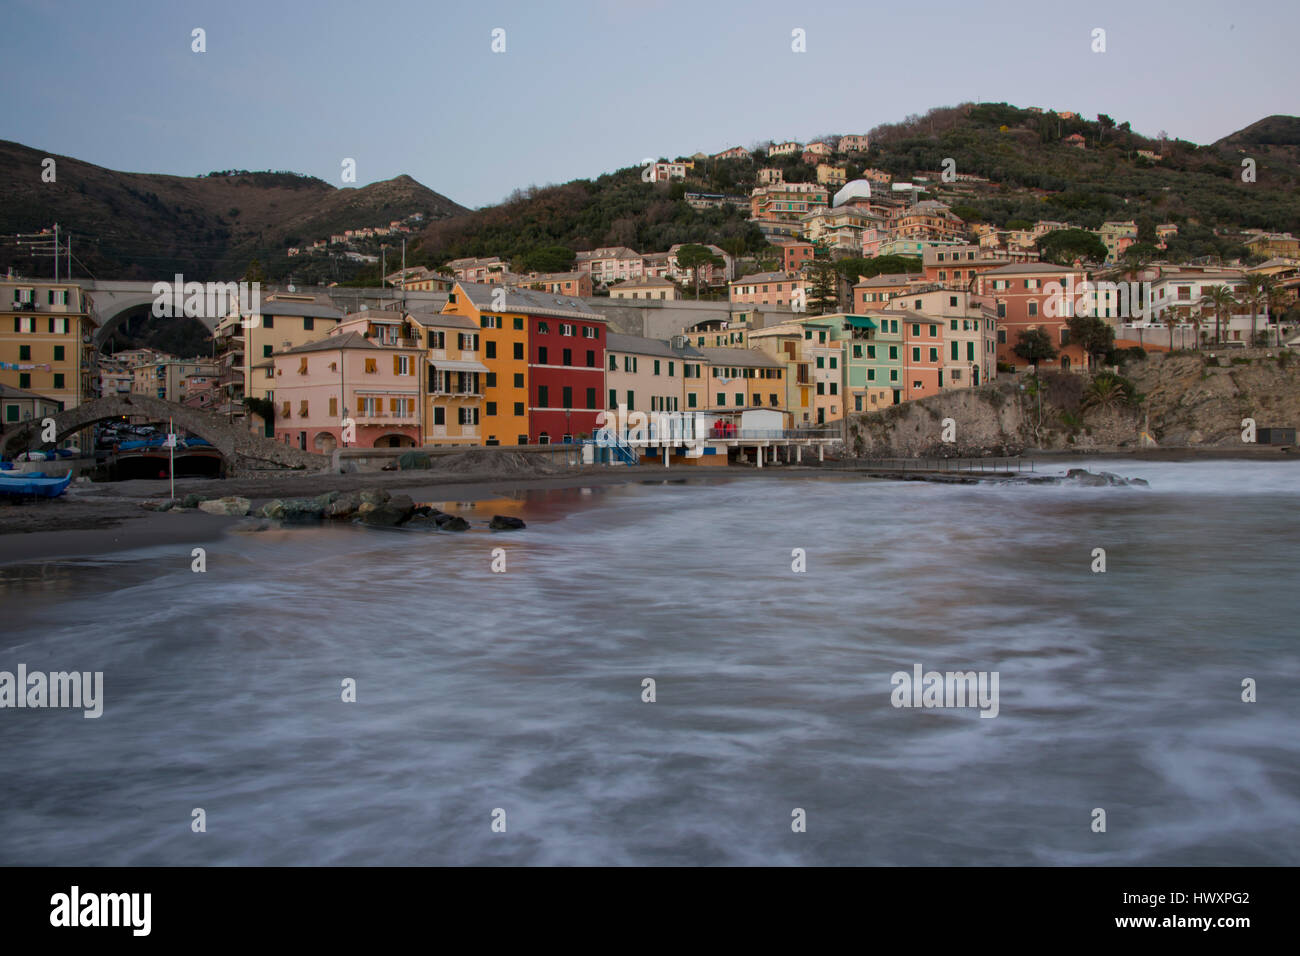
x=923, y=347
x=566, y=365
x=1033, y=295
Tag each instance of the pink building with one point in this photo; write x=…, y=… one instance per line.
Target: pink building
x=365, y=372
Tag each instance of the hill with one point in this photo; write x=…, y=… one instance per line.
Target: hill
x=143, y=225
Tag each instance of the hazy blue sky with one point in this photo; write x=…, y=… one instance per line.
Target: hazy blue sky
x=587, y=87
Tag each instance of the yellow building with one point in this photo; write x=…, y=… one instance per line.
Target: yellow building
x=46, y=343
x=455, y=380
x=503, y=349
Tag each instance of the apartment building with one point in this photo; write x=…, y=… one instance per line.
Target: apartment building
x=787, y=344
x=455, y=381
x=650, y=375
x=562, y=283
x=737, y=379
x=661, y=290
x=46, y=340
x=165, y=376
x=1030, y=295
x=499, y=315
x=768, y=288
x=610, y=264
x=786, y=201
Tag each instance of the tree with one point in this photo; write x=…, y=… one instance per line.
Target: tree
x=1108, y=390
x=1092, y=335
x=1063, y=246
x=1035, y=346
x=254, y=272
x=1171, y=321
x=694, y=256
x=1276, y=302
x=549, y=259
x=823, y=294
x=1254, y=295
x=1221, y=300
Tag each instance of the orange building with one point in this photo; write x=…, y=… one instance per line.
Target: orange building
x=503, y=349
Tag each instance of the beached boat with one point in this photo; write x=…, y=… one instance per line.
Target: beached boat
x=29, y=485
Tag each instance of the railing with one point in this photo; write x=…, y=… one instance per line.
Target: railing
x=945, y=465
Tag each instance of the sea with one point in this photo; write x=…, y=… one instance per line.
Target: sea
x=685, y=671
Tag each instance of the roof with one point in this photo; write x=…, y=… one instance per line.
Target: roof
x=765, y=277
x=642, y=283
x=348, y=340
x=616, y=342
x=1021, y=268
x=889, y=280
x=307, y=309
x=8, y=391
x=424, y=317
x=743, y=358
x=528, y=302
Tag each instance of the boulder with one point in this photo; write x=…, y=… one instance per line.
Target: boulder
x=191, y=501
x=251, y=525
x=272, y=509
x=229, y=505
x=374, y=496
x=328, y=499
x=381, y=516
x=344, y=506
x=300, y=509
x=164, y=504
x=424, y=522
x=451, y=522
x=505, y=523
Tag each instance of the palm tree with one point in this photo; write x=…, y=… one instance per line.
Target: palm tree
x=1254, y=295
x=1171, y=321
x=1221, y=300
x=1277, y=303
x=1196, y=319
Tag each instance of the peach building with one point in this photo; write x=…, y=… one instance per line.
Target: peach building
x=768, y=288
x=347, y=377
x=455, y=379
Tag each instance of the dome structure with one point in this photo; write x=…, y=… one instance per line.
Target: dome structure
x=858, y=189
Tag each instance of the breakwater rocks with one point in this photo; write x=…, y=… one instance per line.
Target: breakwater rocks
x=373, y=507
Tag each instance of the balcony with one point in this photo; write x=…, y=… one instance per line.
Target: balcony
x=395, y=418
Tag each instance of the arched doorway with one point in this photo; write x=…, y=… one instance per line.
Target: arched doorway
x=324, y=443
x=395, y=441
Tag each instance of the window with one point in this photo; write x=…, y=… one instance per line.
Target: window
x=543, y=397
x=25, y=352
x=268, y=321
x=568, y=356
x=953, y=325
x=690, y=400
x=267, y=350
x=916, y=355
x=302, y=409
x=519, y=351
x=58, y=353
x=370, y=366
x=543, y=328
x=519, y=380
x=613, y=362
x=491, y=380
x=566, y=330
x=871, y=375
x=58, y=380
x=284, y=411
x=308, y=324
x=566, y=397
x=954, y=351
x=519, y=325
x=656, y=366
x=490, y=408
x=437, y=340
x=834, y=361
x=835, y=388
x=821, y=362
x=541, y=355
x=821, y=388
x=722, y=398
x=613, y=398
x=490, y=350
x=1002, y=336
x=591, y=398
x=24, y=379
x=917, y=385
x=519, y=410
x=629, y=363
x=740, y=399
x=952, y=301
x=934, y=355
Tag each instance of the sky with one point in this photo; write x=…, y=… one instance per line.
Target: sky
x=583, y=88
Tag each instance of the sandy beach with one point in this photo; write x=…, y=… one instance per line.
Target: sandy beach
x=106, y=518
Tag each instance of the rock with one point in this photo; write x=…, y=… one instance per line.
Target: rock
x=382, y=516
x=505, y=523
x=251, y=525
x=272, y=509
x=374, y=496
x=191, y=501
x=425, y=510
x=229, y=505
x=328, y=499
x=423, y=521
x=165, y=504
x=299, y=509
x=345, y=506
x=451, y=522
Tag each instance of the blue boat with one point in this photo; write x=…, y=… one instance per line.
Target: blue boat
x=33, y=485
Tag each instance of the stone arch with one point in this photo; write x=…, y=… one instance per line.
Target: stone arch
x=394, y=440
x=236, y=445
x=324, y=443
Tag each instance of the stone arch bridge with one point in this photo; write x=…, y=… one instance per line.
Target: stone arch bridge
x=241, y=449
